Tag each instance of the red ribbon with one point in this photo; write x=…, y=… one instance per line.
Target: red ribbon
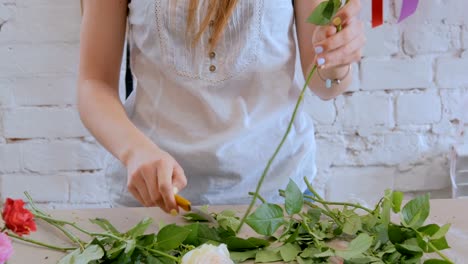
x=377, y=13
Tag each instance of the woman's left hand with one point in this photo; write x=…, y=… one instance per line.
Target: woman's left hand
x=341, y=48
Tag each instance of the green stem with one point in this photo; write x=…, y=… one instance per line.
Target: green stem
x=339, y=203
x=3, y=229
x=267, y=168
x=71, y=236
x=162, y=254
x=33, y=205
x=140, y=247
x=317, y=198
x=39, y=243
x=325, y=212
x=62, y=222
x=259, y=197
x=442, y=255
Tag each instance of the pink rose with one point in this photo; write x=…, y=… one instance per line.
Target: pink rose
x=6, y=249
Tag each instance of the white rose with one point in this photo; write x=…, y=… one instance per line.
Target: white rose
x=208, y=254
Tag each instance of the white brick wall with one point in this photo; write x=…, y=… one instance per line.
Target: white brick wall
x=393, y=129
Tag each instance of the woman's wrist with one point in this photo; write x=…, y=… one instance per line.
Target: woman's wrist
x=336, y=72
x=133, y=147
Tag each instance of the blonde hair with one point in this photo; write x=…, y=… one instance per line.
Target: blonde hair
x=219, y=11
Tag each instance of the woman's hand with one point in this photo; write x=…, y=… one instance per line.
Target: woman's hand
x=334, y=49
x=153, y=175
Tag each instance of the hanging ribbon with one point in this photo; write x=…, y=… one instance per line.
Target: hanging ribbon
x=377, y=13
x=407, y=9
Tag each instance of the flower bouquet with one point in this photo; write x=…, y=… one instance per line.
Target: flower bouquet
x=305, y=229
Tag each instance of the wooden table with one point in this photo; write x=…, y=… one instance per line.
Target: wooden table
x=442, y=211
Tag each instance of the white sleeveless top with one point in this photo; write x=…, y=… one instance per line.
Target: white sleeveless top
x=220, y=115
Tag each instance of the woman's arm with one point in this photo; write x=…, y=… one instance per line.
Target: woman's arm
x=322, y=44
x=152, y=172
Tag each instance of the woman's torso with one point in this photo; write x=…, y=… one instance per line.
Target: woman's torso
x=222, y=112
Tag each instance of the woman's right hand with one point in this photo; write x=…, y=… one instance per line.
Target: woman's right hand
x=153, y=174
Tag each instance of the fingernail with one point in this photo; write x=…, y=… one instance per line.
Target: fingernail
x=337, y=21
x=174, y=212
x=328, y=83
x=175, y=190
x=320, y=61
x=318, y=49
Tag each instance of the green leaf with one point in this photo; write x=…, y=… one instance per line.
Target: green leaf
x=416, y=211
x=382, y=233
x=115, y=251
x=314, y=215
x=440, y=244
x=289, y=252
x=140, y=228
x=356, y=247
x=146, y=240
x=171, y=237
x=294, y=199
x=397, y=199
x=294, y=235
x=324, y=254
x=301, y=260
x=323, y=13
x=352, y=225
x=228, y=220
x=243, y=256
x=263, y=256
x=429, y=230
x=194, y=217
x=238, y=244
x=91, y=253
x=436, y=261
x=106, y=225
x=266, y=219
x=396, y=234
x=309, y=252
x=200, y=233
x=406, y=249
x=441, y=232
x=130, y=247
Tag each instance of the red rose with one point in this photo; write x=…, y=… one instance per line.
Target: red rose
x=17, y=218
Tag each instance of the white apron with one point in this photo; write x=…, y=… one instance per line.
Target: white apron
x=222, y=114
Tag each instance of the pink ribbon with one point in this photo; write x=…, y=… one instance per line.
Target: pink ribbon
x=407, y=9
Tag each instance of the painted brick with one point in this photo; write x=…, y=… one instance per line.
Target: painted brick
x=433, y=175
x=455, y=103
x=20, y=60
x=88, y=188
x=39, y=91
x=43, y=188
x=29, y=23
x=379, y=74
x=359, y=183
x=418, y=108
x=452, y=72
x=6, y=97
x=62, y=156
x=43, y=122
x=431, y=38
x=323, y=112
x=356, y=81
x=387, y=149
x=10, y=158
x=382, y=41
x=465, y=37
x=365, y=110
x=330, y=150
